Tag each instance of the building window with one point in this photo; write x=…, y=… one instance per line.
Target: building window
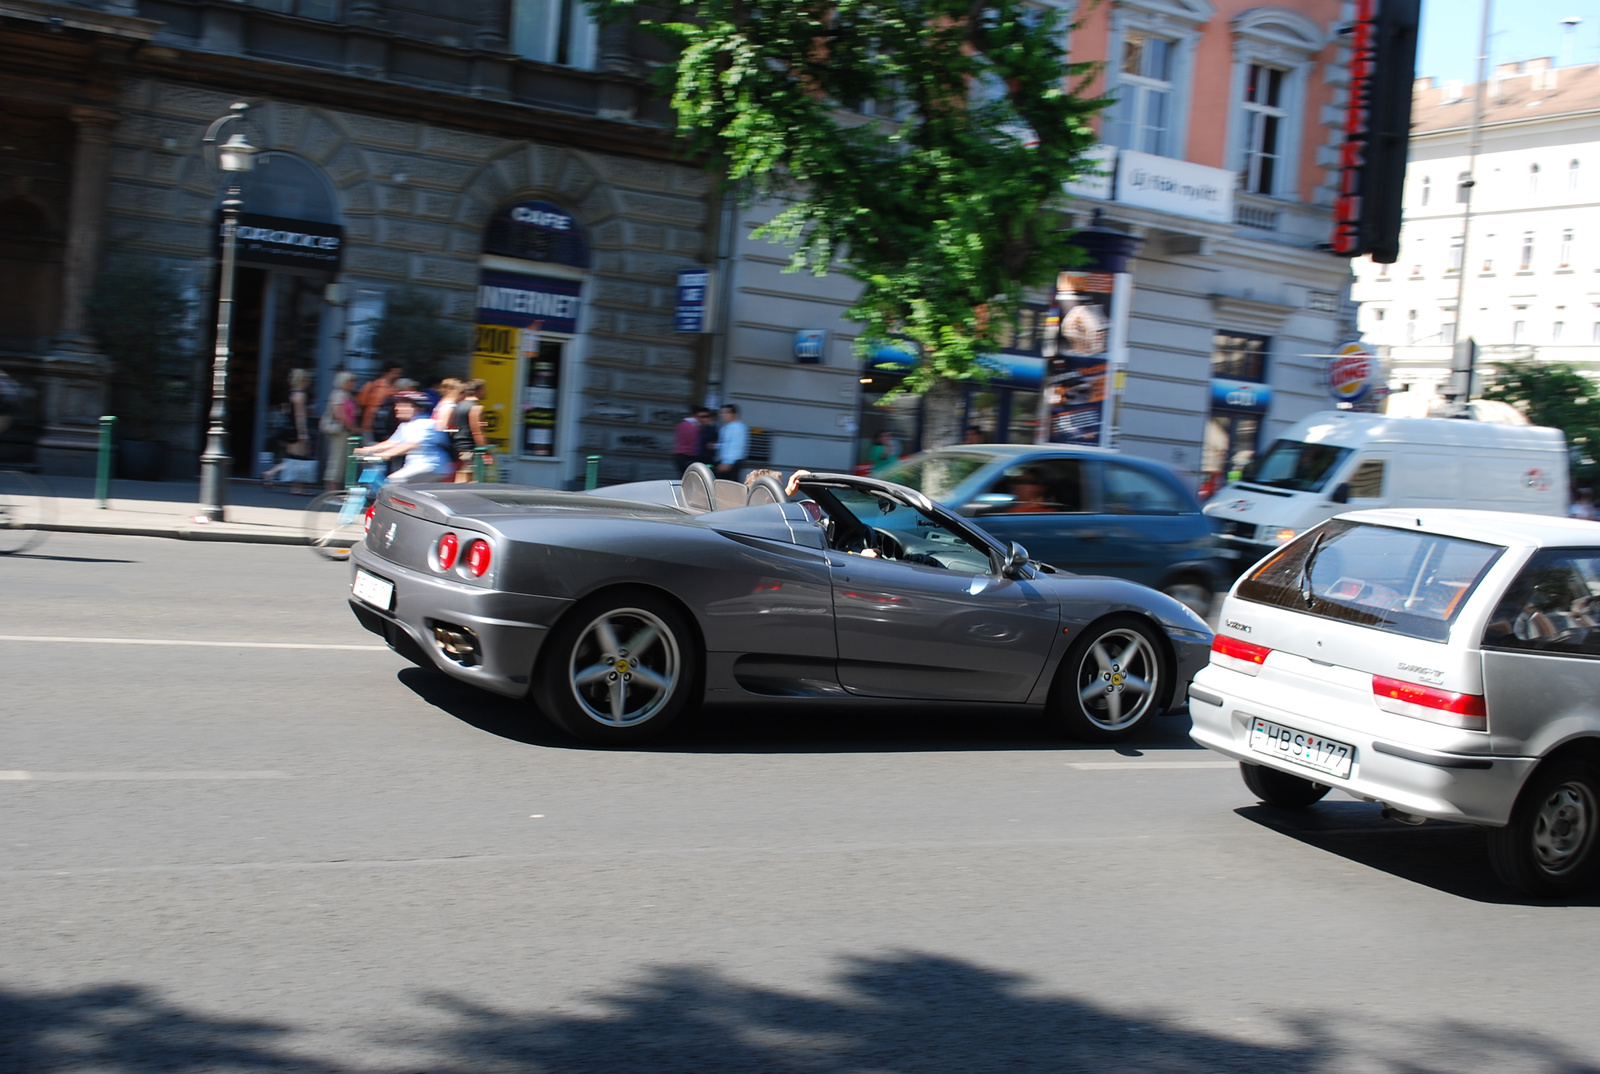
x=1488, y=258
x=326, y=10
x=1565, y=260
x=1263, y=127
x=1594, y=333
x=554, y=31
x=1427, y=185
x=1533, y=178
x=1411, y=326
x=1383, y=270
x=1572, y=175
x=1463, y=188
x=1447, y=333
x=1142, y=116
x=1457, y=250
x=1517, y=329
x=1237, y=356
x=1526, y=262
x=1555, y=331
x=1378, y=313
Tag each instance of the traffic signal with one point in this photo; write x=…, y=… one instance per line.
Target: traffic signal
x=1372, y=160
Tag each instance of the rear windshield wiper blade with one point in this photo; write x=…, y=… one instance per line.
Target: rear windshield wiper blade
x=1305, y=571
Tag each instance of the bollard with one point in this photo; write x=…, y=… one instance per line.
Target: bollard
x=480, y=464
x=102, y=478
x=352, y=469
x=591, y=475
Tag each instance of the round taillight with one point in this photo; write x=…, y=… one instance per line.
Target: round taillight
x=366, y=520
x=449, y=545
x=478, y=558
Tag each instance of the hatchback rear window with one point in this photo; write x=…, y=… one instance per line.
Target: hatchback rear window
x=1396, y=580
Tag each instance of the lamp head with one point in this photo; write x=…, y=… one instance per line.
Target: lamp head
x=237, y=154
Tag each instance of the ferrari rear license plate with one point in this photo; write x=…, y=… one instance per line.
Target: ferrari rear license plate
x=373, y=590
x=1301, y=747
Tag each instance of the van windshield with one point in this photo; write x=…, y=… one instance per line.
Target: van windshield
x=1399, y=581
x=1294, y=464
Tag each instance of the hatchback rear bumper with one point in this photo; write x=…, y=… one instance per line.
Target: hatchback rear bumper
x=1476, y=788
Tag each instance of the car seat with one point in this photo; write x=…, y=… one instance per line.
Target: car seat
x=699, y=488
x=730, y=494
x=765, y=489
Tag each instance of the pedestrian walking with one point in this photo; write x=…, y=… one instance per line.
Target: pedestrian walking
x=469, y=433
x=340, y=420
x=733, y=442
x=374, y=397
x=884, y=451
x=299, y=449
x=1583, y=507
x=708, y=437
x=688, y=437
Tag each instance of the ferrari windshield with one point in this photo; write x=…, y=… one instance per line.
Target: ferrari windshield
x=936, y=474
x=1294, y=464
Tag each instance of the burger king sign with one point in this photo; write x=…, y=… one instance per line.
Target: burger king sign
x=1350, y=374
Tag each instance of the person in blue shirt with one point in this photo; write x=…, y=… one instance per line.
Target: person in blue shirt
x=733, y=443
x=419, y=438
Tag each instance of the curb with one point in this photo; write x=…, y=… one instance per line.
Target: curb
x=181, y=533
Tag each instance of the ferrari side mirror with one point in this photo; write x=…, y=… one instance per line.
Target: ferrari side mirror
x=1016, y=560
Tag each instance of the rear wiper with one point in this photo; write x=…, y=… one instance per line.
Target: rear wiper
x=1305, y=571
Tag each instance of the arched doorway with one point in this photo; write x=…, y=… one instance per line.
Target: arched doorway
x=530, y=284
x=289, y=247
x=30, y=276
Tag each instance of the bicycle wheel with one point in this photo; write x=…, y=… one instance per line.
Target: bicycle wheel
x=326, y=532
x=24, y=507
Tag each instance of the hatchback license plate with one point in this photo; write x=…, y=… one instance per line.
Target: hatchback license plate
x=1301, y=747
x=373, y=590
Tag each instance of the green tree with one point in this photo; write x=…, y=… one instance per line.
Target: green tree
x=139, y=314
x=940, y=211
x=1561, y=396
x=414, y=336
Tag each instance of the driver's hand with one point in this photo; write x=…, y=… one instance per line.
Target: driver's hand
x=793, y=485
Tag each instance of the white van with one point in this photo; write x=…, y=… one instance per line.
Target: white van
x=1339, y=460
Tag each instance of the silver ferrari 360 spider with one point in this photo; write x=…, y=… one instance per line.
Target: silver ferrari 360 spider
x=618, y=610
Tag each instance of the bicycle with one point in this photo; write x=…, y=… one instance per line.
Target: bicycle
x=26, y=509
x=335, y=521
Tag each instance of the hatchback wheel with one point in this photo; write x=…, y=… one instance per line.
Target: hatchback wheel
x=1548, y=849
x=1111, y=682
x=618, y=670
x=1280, y=788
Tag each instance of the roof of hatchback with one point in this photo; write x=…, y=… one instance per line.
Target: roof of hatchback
x=1032, y=449
x=1491, y=527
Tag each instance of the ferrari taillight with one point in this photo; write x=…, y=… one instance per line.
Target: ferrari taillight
x=449, y=545
x=478, y=558
x=366, y=520
x=1238, y=655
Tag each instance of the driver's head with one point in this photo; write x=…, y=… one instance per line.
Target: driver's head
x=1028, y=485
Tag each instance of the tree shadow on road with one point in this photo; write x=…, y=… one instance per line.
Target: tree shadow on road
x=1452, y=858
x=815, y=727
x=904, y=1013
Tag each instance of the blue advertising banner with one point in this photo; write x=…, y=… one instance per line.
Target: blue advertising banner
x=1240, y=394
x=690, y=314
x=518, y=301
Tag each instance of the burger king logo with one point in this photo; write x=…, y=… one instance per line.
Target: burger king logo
x=1350, y=373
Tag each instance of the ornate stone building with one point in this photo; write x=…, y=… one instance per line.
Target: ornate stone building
x=501, y=162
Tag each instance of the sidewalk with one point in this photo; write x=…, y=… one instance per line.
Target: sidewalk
x=254, y=514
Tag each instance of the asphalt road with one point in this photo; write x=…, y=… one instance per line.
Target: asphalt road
x=240, y=857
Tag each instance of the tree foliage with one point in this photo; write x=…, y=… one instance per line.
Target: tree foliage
x=938, y=202
x=139, y=314
x=1559, y=395
x=412, y=335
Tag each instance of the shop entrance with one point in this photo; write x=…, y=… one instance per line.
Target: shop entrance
x=277, y=328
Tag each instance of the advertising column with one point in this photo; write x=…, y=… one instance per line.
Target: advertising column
x=1085, y=341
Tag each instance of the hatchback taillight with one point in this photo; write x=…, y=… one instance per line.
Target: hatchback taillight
x=478, y=558
x=449, y=545
x=1238, y=655
x=1465, y=711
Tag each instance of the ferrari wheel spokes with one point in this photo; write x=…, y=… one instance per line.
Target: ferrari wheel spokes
x=1117, y=677
x=625, y=667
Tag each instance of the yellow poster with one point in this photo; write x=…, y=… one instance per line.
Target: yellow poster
x=494, y=361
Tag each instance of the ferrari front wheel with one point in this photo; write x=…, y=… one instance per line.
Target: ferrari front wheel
x=1112, y=681
x=618, y=670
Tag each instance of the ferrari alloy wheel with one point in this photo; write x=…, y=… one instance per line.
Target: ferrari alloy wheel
x=1549, y=848
x=618, y=671
x=1111, y=682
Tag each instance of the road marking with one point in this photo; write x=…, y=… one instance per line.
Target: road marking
x=92, y=777
x=1107, y=766
x=206, y=644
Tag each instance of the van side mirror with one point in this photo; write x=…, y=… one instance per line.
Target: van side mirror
x=1341, y=492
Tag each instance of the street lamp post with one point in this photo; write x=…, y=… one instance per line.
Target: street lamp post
x=235, y=157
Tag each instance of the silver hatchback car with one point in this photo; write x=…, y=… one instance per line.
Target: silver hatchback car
x=1443, y=663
